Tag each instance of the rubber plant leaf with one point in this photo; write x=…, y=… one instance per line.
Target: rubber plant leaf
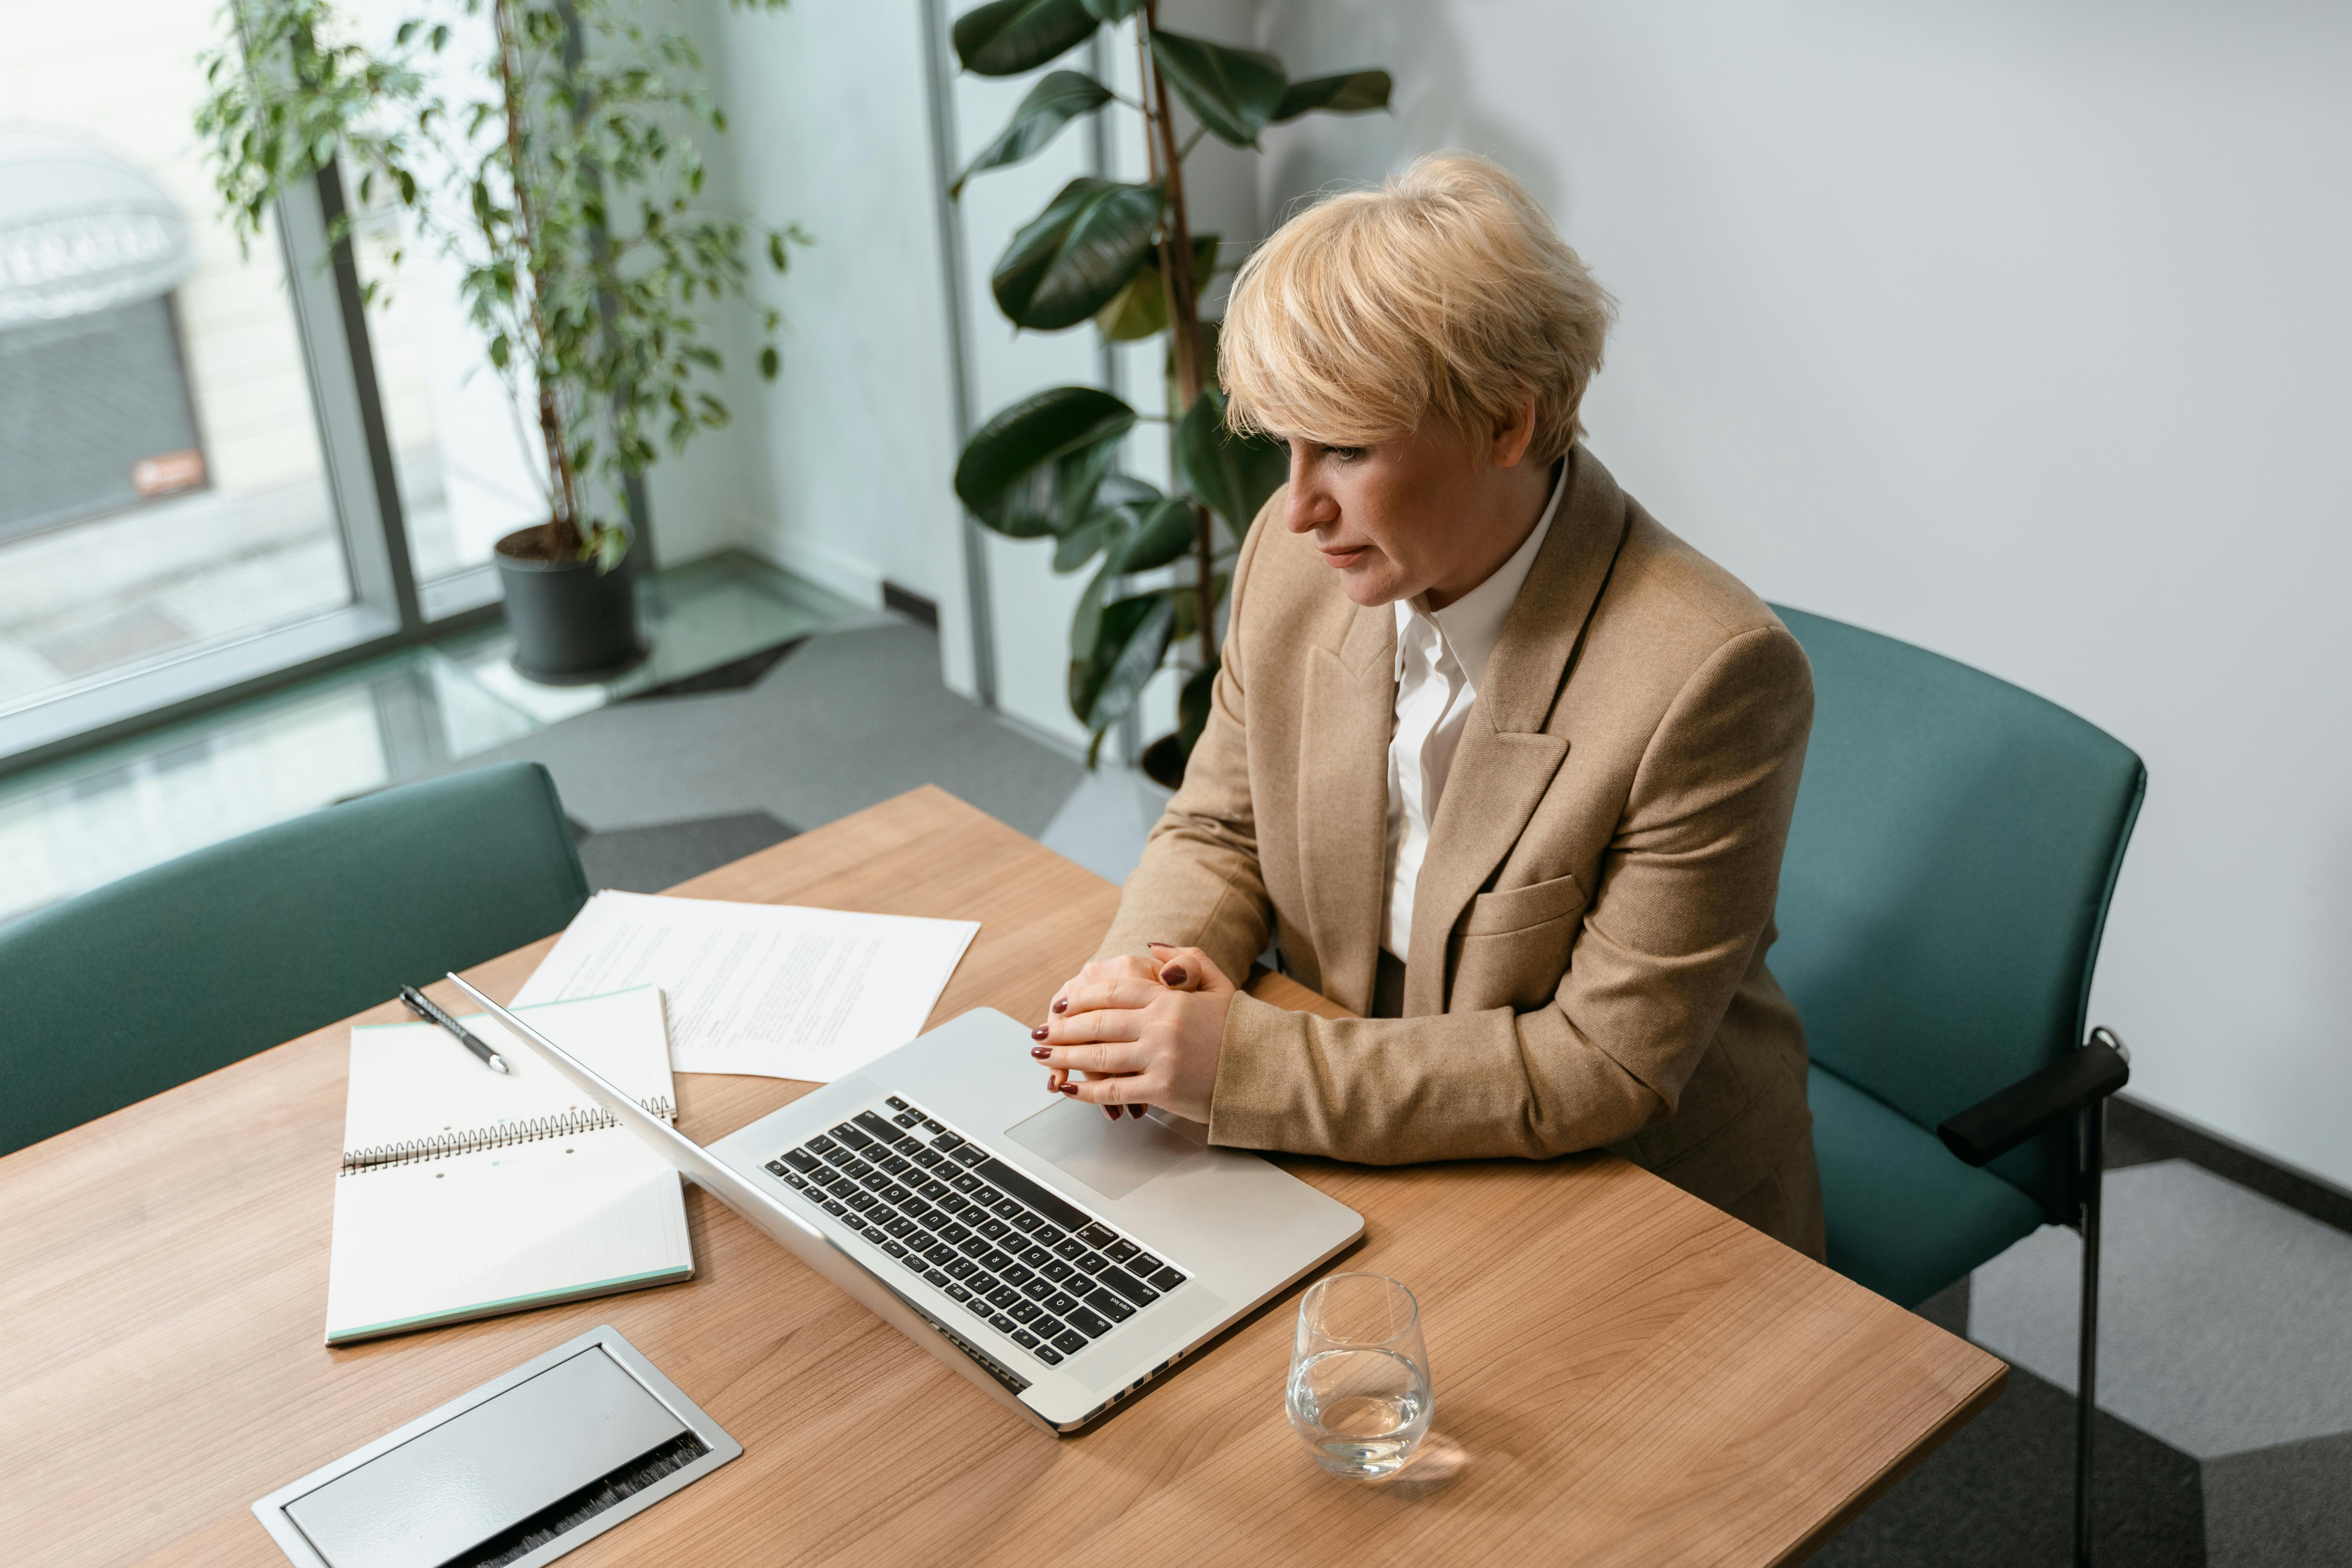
x=1034, y=467
x=1054, y=102
x=1163, y=534
x=1113, y=10
x=1073, y=258
x=1006, y=38
x=1104, y=531
x=1233, y=92
x=1234, y=474
x=1140, y=309
x=1129, y=640
x=1352, y=92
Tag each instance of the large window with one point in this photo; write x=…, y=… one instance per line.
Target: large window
x=206, y=457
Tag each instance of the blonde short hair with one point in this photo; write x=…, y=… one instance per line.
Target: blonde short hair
x=1448, y=290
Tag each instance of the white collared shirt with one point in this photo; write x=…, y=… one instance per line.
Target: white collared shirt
x=1441, y=658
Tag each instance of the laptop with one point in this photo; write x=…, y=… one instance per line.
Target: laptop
x=1057, y=1259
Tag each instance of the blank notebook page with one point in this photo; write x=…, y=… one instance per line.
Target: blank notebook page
x=467, y=1193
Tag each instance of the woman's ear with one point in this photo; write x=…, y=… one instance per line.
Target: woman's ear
x=1516, y=433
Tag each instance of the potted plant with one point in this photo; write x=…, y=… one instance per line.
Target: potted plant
x=1124, y=256
x=549, y=148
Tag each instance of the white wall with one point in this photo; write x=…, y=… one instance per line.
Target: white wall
x=2016, y=330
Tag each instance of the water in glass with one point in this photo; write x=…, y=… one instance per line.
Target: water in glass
x=1360, y=1392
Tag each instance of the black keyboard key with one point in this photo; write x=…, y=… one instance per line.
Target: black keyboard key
x=900, y=1227
x=838, y=1155
x=907, y=1119
x=1035, y=1257
x=1092, y=1263
x=1005, y=1296
x=852, y=1138
x=1025, y=1340
x=897, y=1165
x=1037, y=1290
x=955, y=1233
x=1053, y=1207
x=875, y=1234
x=914, y=1262
x=947, y=1142
x=959, y=1293
x=1069, y=1341
x=833, y=1207
x=1026, y=1221
x=1047, y=1328
x=987, y=1197
x=1051, y=1234
x=895, y=1103
x=1167, y=1279
x=1095, y=1234
x=932, y=1219
x=1122, y=1250
x=774, y=1167
x=1143, y=1266
x=978, y=1309
x=965, y=1183
x=1004, y=1325
x=1057, y=1270
x=1061, y=1303
x=985, y=1284
x=1047, y=1354
x=813, y=1192
x=932, y=1124
x=874, y=1124
x=893, y=1249
x=895, y=1193
x=994, y=1229
x=940, y=1252
x=933, y=1190
x=794, y=1180
x=997, y=1257
x=801, y=1160
x=961, y=1267
x=1024, y=1311
x=936, y=1277
x=1071, y=1248
x=967, y=1155
x=1017, y=1273
x=1005, y=1209
x=874, y=1181
x=954, y=1205
x=881, y=1214
x=819, y=1144
x=861, y=1202
x=858, y=1170
x=1077, y=1285
x=1109, y=1304
x=925, y=1159
x=1088, y=1323
x=975, y=1247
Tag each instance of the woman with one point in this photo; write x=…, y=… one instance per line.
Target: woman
x=1497, y=760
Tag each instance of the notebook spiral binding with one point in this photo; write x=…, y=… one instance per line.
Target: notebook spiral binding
x=474, y=1139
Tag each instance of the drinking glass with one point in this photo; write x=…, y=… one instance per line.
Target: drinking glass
x=1359, y=1393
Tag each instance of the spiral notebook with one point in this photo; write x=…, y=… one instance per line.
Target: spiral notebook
x=467, y=1193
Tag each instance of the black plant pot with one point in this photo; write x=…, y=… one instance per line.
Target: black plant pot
x=1163, y=761
x=572, y=625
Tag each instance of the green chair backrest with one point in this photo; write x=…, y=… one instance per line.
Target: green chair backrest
x=1955, y=845
x=166, y=974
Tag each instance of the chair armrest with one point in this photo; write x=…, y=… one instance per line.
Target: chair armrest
x=2007, y=1118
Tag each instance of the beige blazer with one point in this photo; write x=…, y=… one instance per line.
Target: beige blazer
x=1589, y=933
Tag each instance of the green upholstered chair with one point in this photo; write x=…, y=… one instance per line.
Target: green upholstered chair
x=1955, y=846
x=164, y=975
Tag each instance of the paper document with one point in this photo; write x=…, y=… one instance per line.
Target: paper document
x=772, y=989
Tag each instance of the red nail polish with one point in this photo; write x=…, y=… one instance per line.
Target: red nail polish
x=1036, y=1034
x=1172, y=975
x=1041, y=1052
x=1070, y=1088
x=1059, y=1006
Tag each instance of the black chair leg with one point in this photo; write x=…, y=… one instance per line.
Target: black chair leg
x=2094, y=1158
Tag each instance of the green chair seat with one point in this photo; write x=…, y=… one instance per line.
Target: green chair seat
x=1904, y=1218
x=169, y=973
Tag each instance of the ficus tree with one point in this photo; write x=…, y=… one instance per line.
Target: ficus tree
x=1124, y=257
x=549, y=147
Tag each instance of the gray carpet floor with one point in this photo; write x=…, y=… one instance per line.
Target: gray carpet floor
x=2225, y=1434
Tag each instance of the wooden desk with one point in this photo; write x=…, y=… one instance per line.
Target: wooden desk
x=1624, y=1374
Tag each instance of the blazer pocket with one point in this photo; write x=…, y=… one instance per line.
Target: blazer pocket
x=1522, y=908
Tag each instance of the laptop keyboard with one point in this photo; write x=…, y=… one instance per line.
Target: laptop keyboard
x=1038, y=1269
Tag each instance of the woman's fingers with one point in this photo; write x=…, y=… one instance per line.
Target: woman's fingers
x=1127, y=990
x=1116, y=1056
x=1174, y=970
x=1108, y=972
x=1127, y=1089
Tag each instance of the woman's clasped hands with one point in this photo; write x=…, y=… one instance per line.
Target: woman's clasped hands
x=1130, y=1033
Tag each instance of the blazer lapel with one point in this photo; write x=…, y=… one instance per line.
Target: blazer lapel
x=1343, y=763
x=1506, y=762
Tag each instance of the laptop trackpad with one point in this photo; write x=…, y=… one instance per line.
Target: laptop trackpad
x=1114, y=1158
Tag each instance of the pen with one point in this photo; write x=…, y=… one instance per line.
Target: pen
x=423, y=1007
